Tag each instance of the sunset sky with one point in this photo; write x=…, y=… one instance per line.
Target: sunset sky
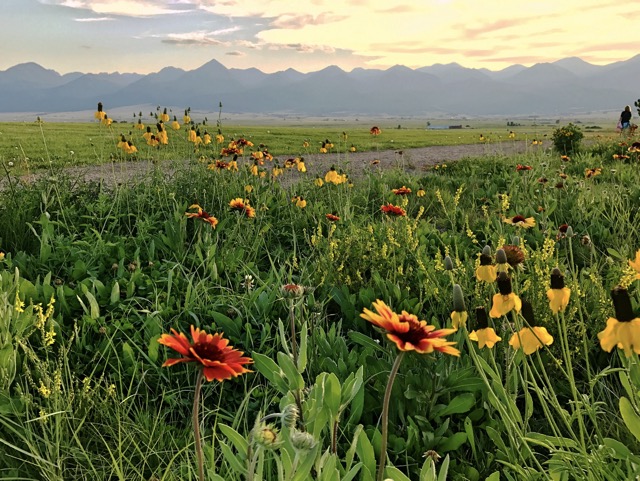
x=146, y=35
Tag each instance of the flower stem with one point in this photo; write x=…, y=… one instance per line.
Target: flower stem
x=385, y=415
x=292, y=323
x=196, y=424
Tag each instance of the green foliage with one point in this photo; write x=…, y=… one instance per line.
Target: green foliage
x=124, y=265
x=566, y=139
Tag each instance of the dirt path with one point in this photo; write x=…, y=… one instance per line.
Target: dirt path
x=356, y=163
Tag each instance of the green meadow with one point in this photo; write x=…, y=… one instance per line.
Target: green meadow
x=36, y=145
x=475, y=322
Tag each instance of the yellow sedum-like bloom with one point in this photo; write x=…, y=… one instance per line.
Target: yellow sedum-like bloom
x=622, y=331
x=635, y=264
x=558, y=295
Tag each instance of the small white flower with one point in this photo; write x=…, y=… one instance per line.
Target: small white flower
x=10, y=164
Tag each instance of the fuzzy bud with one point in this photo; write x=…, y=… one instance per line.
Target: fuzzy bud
x=486, y=251
x=289, y=416
x=569, y=231
x=515, y=240
x=448, y=263
x=302, y=441
x=267, y=437
x=458, y=299
x=501, y=256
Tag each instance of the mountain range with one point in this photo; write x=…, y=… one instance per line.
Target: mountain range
x=567, y=86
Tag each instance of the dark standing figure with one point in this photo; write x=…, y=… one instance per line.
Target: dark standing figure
x=625, y=118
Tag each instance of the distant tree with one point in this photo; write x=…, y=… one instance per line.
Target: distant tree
x=140, y=114
x=637, y=105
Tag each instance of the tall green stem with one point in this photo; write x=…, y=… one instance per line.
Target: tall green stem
x=385, y=415
x=196, y=424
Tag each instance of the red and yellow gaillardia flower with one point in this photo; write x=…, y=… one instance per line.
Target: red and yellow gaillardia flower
x=202, y=214
x=483, y=334
x=505, y=301
x=243, y=206
x=402, y=191
x=408, y=333
x=393, y=210
x=593, y=172
x=332, y=217
x=218, y=359
x=520, y=221
x=375, y=131
x=521, y=167
x=558, y=295
x=530, y=338
x=622, y=331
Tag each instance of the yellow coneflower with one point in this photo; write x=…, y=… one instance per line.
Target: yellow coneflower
x=505, y=301
x=459, y=314
x=623, y=330
x=483, y=334
x=530, y=338
x=558, y=295
x=486, y=271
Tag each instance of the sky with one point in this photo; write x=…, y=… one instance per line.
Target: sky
x=145, y=36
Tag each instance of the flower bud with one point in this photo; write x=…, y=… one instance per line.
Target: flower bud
x=267, y=436
x=302, y=441
x=486, y=250
x=569, y=231
x=289, y=416
x=515, y=240
x=501, y=256
x=458, y=299
x=448, y=263
x=292, y=291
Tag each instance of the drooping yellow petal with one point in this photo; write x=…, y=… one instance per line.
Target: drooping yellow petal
x=485, y=337
x=503, y=304
x=530, y=339
x=624, y=335
x=558, y=299
x=458, y=319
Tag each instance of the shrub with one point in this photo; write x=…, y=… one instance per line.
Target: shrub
x=567, y=138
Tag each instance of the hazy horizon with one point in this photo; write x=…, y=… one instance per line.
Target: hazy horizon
x=144, y=36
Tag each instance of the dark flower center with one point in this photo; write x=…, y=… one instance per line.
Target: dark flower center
x=622, y=304
x=527, y=312
x=557, y=281
x=481, y=318
x=504, y=284
x=485, y=260
x=208, y=351
x=518, y=218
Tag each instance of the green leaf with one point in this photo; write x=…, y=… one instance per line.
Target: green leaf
x=153, y=348
x=395, y=474
x=366, y=341
x=304, y=468
x=630, y=418
x=302, y=354
x=444, y=469
x=293, y=377
x=232, y=459
x=365, y=452
x=460, y=404
x=468, y=429
x=239, y=442
x=269, y=369
x=115, y=293
x=495, y=476
x=230, y=327
x=452, y=442
x=332, y=395
x=128, y=357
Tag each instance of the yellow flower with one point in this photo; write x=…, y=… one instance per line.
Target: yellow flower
x=319, y=182
x=505, y=301
x=622, y=331
x=530, y=339
x=558, y=295
x=483, y=334
x=486, y=272
x=1, y=256
x=248, y=188
x=458, y=319
x=421, y=192
x=301, y=203
x=485, y=337
x=521, y=221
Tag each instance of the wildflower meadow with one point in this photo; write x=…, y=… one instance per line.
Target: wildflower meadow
x=246, y=311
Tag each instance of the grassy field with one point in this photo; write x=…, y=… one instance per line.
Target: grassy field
x=332, y=386
x=33, y=146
